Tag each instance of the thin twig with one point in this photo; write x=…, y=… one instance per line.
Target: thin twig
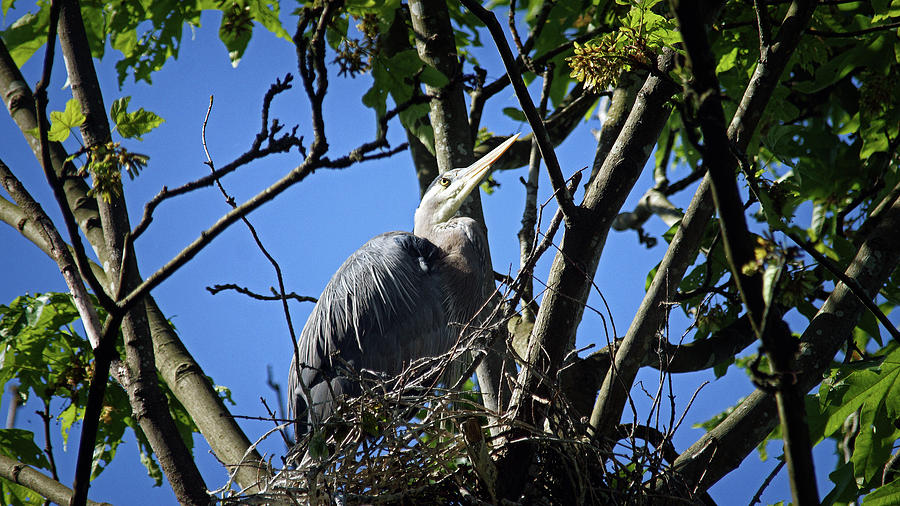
x=511, y=21
x=763, y=25
x=258, y=296
x=851, y=284
x=274, y=145
x=563, y=196
x=46, y=417
x=856, y=33
x=272, y=414
x=765, y=484
x=529, y=214
x=539, y=24
x=498, y=85
x=231, y=202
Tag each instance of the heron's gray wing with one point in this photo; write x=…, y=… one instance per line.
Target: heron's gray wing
x=381, y=310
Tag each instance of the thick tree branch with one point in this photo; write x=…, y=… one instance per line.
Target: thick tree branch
x=149, y=406
x=178, y=368
x=681, y=252
x=33, y=479
x=453, y=139
x=739, y=246
x=33, y=214
x=571, y=275
x=620, y=104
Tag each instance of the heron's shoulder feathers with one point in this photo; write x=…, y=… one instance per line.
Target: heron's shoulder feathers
x=384, y=292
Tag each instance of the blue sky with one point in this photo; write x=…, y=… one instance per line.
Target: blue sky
x=310, y=230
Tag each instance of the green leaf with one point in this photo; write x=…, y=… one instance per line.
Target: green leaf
x=433, y=77
x=727, y=61
x=14, y=494
x=845, y=489
x=73, y=413
x=722, y=367
x=318, y=446
x=394, y=77
x=869, y=388
x=817, y=222
x=132, y=124
x=873, y=444
x=236, y=28
x=62, y=122
x=886, y=495
x=868, y=324
x=19, y=444
x=267, y=13
x=770, y=282
x=711, y=424
x=514, y=113
x=26, y=35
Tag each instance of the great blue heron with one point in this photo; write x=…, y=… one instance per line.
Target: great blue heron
x=398, y=298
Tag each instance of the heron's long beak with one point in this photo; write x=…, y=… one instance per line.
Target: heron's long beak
x=473, y=174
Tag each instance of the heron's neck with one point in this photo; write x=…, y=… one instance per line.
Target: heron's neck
x=454, y=234
x=463, y=242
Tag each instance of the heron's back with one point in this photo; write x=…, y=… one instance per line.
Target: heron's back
x=382, y=309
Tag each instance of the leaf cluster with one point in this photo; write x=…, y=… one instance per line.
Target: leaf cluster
x=105, y=162
x=43, y=354
x=635, y=44
x=147, y=32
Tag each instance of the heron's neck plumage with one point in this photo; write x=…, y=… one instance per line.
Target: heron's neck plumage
x=464, y=266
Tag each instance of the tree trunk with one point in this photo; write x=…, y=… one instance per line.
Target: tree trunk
x=453, y=148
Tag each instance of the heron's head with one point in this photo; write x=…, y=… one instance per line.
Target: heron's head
x=449, y=190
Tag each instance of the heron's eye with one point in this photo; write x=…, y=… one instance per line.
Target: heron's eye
x=444, y=181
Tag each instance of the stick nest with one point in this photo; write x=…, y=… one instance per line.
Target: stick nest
x=397, y=445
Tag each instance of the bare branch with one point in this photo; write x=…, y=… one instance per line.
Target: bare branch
x=258, y=296
x=857, y=33
x=529, y=214
x=570, y=211
x=231, y=202
x=274, y=145
x=765, y=483
x=763, y=25
x=46, y=418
